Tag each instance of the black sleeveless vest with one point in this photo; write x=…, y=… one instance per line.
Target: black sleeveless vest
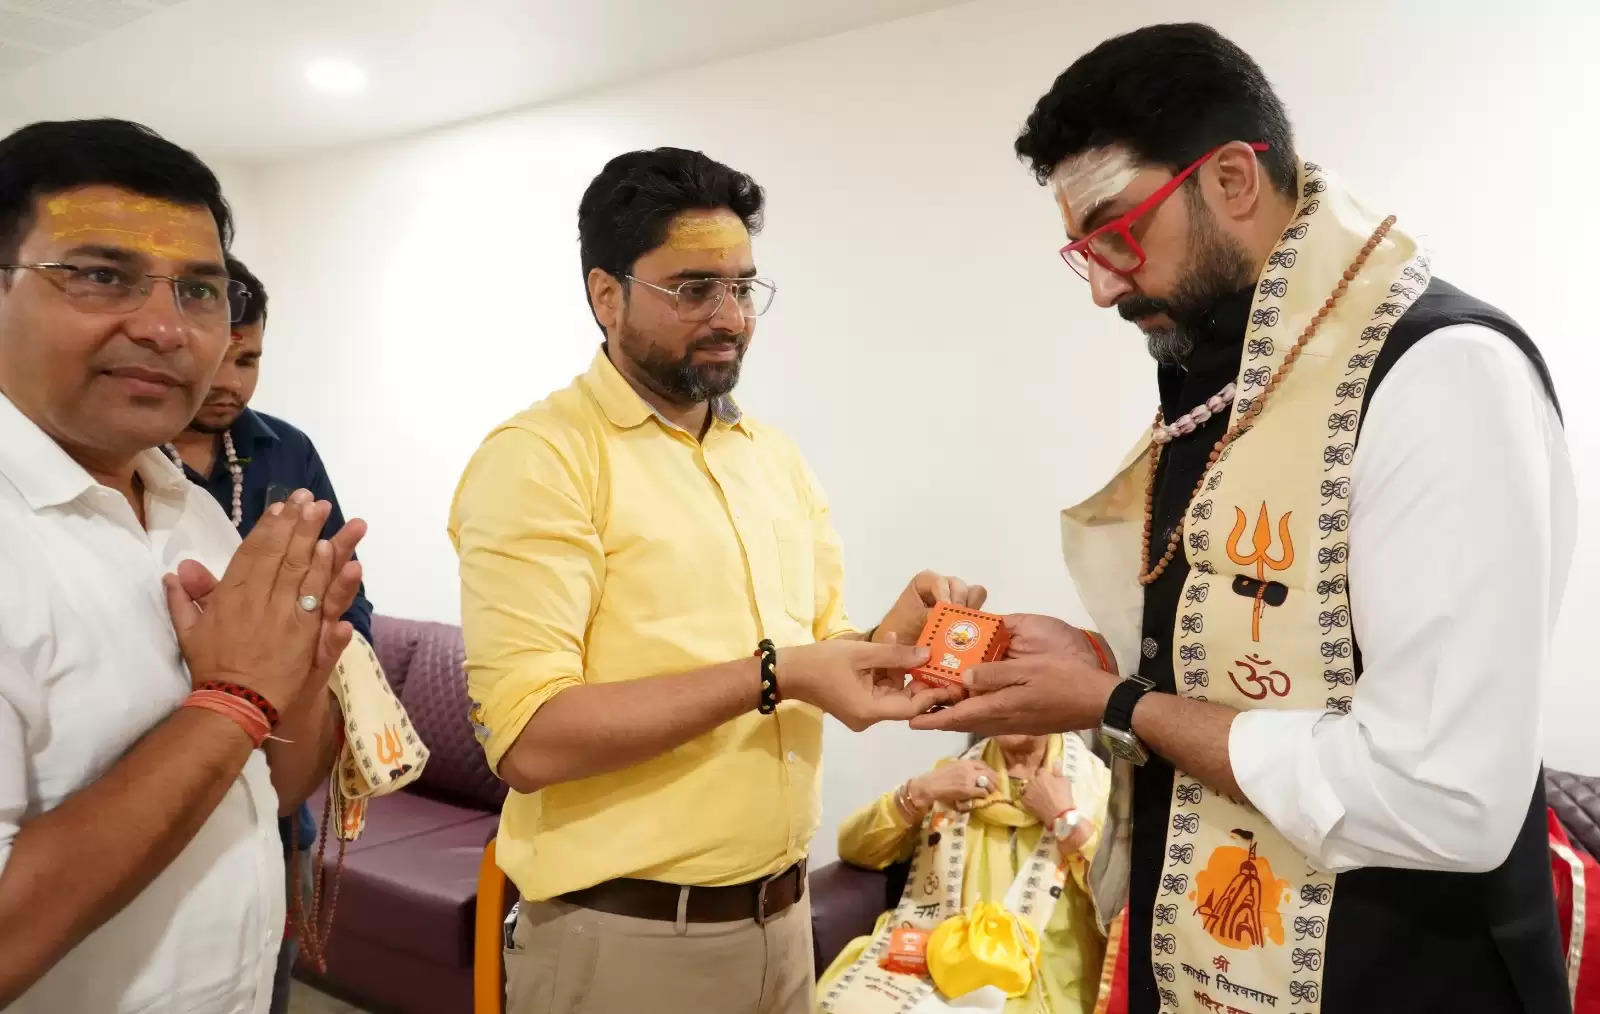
x=1400, y=941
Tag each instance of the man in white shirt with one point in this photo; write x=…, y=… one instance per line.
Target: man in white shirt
x=139, y=861
x=1340, y=586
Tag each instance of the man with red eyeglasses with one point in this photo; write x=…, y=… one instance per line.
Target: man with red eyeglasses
x=1329, y=571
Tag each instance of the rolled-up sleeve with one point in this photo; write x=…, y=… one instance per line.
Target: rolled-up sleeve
x=532, y=566
x=1462, y=523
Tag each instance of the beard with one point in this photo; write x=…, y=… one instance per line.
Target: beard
x=211, y=427
x=679, y=378
x=1218, y=266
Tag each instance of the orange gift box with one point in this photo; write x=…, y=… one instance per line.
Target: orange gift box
x=958, y=639
x=907, y=953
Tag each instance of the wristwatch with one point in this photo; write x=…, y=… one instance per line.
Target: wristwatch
x=1065, y=824
x=1116, y=728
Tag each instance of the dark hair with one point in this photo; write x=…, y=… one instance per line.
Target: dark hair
x=47, y=158
x=626, y=209
x=1169, y=93
x=254, y=309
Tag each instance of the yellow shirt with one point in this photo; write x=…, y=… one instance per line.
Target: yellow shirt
x=1071, y=947
x=600, y=543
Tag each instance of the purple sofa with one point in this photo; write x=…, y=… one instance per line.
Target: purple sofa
x=403, y=929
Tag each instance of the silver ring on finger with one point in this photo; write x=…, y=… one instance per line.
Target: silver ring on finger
x=983, y=782
x=310, y=603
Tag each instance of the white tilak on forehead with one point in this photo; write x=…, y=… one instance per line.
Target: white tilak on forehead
x=1086, y=181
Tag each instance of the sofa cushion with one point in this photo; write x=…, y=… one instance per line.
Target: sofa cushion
x=846, y=901
x=416, y=895
x=435, y=696
x=1576, y=800
x=396, y=817
x=395, y=642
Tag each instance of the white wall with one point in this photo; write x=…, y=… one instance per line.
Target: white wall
x=426, y=288
x=239, y=186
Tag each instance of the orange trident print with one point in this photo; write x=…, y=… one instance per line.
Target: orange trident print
x=1262, y=557
x=355, y=811
x=388, y=750
x=1242, y=896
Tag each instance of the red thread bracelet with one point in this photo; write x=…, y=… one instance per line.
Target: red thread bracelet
x=1099, y=652
x=244, y=714
x=244, y=693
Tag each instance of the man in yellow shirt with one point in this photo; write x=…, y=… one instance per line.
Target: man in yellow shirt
x=653, y=603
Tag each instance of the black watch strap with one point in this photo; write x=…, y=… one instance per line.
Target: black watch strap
x=1119, y=706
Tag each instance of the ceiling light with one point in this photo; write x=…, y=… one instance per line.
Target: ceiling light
x=339, y=77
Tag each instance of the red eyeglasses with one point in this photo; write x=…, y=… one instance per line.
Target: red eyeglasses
x=1112, y=246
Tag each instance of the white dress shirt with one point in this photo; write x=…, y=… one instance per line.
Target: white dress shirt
x=1462, y=523
x=89, y=664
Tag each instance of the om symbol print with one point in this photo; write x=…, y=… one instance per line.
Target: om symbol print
x=1261, y=679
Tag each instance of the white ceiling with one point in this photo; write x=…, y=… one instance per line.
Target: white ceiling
x=228, y=76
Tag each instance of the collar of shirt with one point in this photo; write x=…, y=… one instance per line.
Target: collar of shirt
x=46, y=476
x=258, y=444
x=623, y=406
x=250, y=432
x=252, y=428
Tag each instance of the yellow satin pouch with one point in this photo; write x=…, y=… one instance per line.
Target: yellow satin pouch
x=987, y=946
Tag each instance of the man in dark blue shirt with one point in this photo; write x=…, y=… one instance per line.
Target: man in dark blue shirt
x=247, y=460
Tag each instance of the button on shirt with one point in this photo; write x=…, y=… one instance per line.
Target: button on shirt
x=88, y=665
x=601, y=543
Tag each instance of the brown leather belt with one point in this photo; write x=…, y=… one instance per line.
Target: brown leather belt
x=760, y=900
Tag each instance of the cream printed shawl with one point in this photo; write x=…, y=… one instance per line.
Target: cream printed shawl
x=1264, y=618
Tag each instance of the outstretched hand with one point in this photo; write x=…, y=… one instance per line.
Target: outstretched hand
x=909, y=614
x=1031, y=695
x=858, y=682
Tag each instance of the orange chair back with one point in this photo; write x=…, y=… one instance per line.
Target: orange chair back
x=488, y=991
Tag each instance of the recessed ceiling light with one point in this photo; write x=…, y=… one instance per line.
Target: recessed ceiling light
x=340, y=77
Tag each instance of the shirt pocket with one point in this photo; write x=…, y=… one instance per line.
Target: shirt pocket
x=797, y=569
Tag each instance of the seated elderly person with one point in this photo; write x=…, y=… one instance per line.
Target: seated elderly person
x=1019, y=818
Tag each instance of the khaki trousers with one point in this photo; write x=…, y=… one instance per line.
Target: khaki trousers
x=569, y=960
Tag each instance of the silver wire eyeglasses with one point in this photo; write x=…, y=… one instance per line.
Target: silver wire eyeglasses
x=699, y=299
x=106, y=288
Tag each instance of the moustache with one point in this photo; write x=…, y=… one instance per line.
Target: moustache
x=1136, y=307
x=740, y=339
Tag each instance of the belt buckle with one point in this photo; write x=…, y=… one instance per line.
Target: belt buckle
x=761, y=899
x=798, y=869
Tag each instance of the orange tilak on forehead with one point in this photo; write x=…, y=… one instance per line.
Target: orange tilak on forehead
x=147, y=224
x=715, y=232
